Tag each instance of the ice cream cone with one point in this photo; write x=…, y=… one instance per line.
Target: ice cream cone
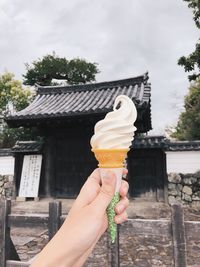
x=112, y=159
x=110, y=143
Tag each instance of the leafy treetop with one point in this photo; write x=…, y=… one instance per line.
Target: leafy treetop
x=192, y=61
x=12, y=91
x=75, y=71
x=188, y=127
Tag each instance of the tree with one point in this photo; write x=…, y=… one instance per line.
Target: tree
x=12, y=91
x=188, y=127
x=192, y=61
x=75, y=71
x=12, y=96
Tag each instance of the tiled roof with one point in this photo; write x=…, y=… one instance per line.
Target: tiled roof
x=164, y=143
x=145, y=142
x=27, y=147
x=184, y=146
x=5, y=152
x=79, y=100
x=149, y=142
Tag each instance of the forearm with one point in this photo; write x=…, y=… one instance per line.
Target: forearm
x=58, y=252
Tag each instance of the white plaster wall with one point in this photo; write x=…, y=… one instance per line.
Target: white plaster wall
x=183, y=161
x=6, y=165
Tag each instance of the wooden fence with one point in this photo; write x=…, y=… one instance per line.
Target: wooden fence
x=53, y=220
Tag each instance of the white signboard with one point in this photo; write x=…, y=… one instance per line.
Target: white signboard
x=30, y=178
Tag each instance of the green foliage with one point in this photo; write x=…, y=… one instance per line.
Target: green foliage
x=75, y=71
x=188, y=127
x=12, y=92
x=192, y=61
x=9, y=136
x=195, y=6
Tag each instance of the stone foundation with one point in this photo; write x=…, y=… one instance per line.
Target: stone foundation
x=6, y=186
x=184, y=188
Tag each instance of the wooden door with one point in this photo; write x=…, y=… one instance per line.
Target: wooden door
x=147, y=174
x=73, y=163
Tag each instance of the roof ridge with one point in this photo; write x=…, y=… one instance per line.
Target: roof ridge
x=91, y=86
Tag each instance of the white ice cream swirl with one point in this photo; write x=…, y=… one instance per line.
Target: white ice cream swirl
x=116, y=130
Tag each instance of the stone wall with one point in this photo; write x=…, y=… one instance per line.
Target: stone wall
x=184, y=188
x=6, y=186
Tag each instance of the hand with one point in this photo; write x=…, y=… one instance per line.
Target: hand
x=85, y=223
x=90, y=206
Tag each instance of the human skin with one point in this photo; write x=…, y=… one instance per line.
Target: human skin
x=85, y=223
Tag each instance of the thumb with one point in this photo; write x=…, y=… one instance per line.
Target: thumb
x=106, y=192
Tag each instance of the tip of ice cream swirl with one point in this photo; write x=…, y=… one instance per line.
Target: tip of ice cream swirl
x=117, y=129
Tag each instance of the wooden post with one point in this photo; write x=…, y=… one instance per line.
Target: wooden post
x=7, y=248
x=178, y=235
x=55, y=211
x=113, y=251
x=6, y=209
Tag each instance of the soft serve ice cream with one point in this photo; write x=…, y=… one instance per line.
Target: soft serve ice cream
x=110, y=143
x=116, y=130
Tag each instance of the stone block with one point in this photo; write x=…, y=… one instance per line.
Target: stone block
x=186, y=197
x=173, y=192
x=1, y=177
x=197, y=175
x=197, y=194
x=174, y=178
x=6, y=178
x=8, y=185
x=189, y=181
x=195, y=198
x=187, y=190
x=1, y=183
x=172, y=186
x=178, y=198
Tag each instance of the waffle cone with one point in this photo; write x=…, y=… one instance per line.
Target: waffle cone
x=110, y=158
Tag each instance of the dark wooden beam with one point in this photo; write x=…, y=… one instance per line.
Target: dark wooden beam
x=55, y=210
x=16, y=220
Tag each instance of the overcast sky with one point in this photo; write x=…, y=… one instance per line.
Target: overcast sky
x=126, y=38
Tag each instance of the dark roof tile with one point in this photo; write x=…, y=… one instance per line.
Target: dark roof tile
x=184, y=146
x=27, y=147
x=5, y=152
